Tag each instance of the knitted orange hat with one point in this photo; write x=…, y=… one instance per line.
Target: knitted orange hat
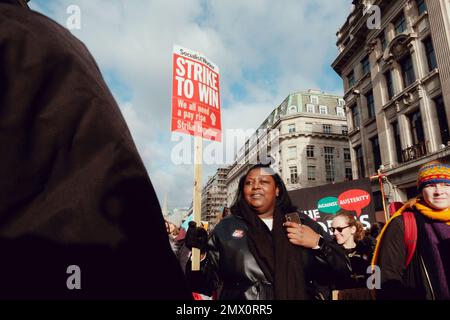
x=433, y=172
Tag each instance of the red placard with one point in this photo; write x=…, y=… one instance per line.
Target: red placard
x=195, y=95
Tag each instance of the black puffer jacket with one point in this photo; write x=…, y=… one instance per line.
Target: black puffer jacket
x=231, y=267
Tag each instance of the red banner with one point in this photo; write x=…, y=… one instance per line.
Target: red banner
x=195, y=95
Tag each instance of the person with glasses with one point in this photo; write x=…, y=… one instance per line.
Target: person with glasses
x=255, y=254
x=349, y=233
x=413, y=249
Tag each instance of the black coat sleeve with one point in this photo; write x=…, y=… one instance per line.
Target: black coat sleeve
x=206, y=280
x=391, y=262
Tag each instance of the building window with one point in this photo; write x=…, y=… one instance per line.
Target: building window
x=421, y=6
x=308, y=127
x=398, y=144
x=340, y=112
x=355, y=117
x=292, y=152
x=400, y=24
x=377, y=201
x=292, y=109
x=329, y=164
x=370, y=105
x=418, y=148
x=442, y=118
x=311, y=173
x=351, y=79
x=310, y=151
x=376, y=152
x=347, y=154
x=314, y=99
x=429, y=51
x=383, y=41
x=360, y=161
x=323, y=109
x=389, y=84
x=341, y=103
x=293, y=174
x=407, y=71
x=344, y=130
x=416, y=126
x=326, y=128
x=365, y=64
x=291, y=128
x=310, y=108
x=348, y=174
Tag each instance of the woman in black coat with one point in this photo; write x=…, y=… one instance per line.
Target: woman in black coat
x=349, y=233
x=255, y=254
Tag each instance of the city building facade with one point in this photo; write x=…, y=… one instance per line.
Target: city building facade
x=214, y=196
x=396, y=88
x=306, y=135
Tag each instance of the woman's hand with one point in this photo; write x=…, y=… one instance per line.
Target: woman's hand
x=301, y=235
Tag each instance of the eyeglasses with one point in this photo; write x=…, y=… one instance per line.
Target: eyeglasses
x=338, y=229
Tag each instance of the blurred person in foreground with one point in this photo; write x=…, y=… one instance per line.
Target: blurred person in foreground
x=74, y=193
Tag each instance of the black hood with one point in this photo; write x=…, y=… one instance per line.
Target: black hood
x=22, y=3
x=73, y=188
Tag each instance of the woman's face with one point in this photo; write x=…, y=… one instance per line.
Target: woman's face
x=342, y=231
x=260, y=191
x=437, y=195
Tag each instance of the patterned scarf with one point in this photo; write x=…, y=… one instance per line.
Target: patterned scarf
x=442, y=215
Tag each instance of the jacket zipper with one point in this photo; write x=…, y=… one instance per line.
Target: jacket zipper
x=428, y=278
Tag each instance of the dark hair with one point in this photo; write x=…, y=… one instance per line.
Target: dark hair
x=375, y=229
x=351, y=220
x=284, y=202
x=23, y=3
x=225, y=212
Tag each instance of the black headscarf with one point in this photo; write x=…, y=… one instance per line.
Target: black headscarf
x=283, y=263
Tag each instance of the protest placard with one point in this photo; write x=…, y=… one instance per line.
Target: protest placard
x=195, y=95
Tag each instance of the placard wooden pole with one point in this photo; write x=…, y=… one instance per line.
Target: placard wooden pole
x=198, y=155
x=380, y=180
x=380, y=176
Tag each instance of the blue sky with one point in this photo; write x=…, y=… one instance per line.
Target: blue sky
x=265, y=50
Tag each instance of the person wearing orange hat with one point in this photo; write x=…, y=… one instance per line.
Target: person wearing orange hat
x=413, y=250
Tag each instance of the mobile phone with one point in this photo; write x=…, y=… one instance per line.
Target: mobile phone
x=293, y=217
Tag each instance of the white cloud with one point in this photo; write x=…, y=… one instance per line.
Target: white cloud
x=267, y=48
